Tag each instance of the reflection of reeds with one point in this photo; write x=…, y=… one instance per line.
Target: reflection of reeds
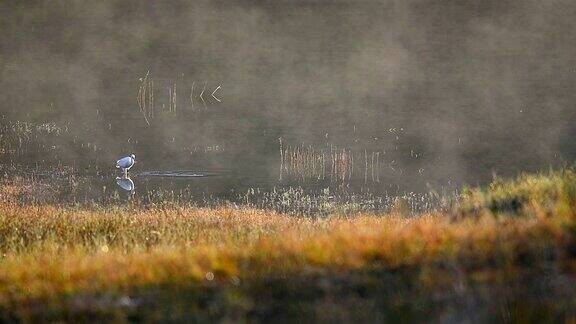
x=172, y=98
x=174, y=101
x=365, y=166
x=192, y=95
x=336, y=164
x=151, y=98
x=301, y=162
x=202, y=95
x=145, y=97
x=281, y=158
x=21, y=138
x=377, y=167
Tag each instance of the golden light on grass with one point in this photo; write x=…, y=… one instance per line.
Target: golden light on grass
x=51, y=251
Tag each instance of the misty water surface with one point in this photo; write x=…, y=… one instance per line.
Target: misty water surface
x=444, y=93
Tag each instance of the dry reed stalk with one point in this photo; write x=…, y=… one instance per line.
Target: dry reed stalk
x=372, y=166
x=323, y=165
x=305, y=162
x=346, y=165
x=377, y=167
x=141, y=97
x=365, y=166
x=286, y=165
x=281, y=156
x=145, y=96
x=152, y=98
x=351, y=163
x=202, y=95
x=174, y=98
x=192, y=95
x=294, y=161
x=313, y=159
x=310, y=161
x=333, y=158
x=169, y=99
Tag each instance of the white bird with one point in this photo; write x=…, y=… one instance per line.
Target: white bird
x=126, y=163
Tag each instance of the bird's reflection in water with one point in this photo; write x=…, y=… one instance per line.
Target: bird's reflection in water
x=125, y=183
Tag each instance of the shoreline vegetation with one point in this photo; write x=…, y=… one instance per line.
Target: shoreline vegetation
x=503, y=252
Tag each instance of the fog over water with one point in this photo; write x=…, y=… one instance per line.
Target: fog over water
x=443, y=92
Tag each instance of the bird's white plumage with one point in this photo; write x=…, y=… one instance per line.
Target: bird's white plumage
x=126, y=162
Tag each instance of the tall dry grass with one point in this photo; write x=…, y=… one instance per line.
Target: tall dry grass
x=50, y=252
x=30, y=228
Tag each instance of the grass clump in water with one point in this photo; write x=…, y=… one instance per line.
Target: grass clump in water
x=533, y=195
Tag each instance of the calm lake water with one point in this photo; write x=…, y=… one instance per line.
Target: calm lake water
x=62, y=167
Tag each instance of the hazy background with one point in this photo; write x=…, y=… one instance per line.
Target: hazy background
x=451, y=91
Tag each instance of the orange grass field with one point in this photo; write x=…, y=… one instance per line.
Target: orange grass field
x=65, y=263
